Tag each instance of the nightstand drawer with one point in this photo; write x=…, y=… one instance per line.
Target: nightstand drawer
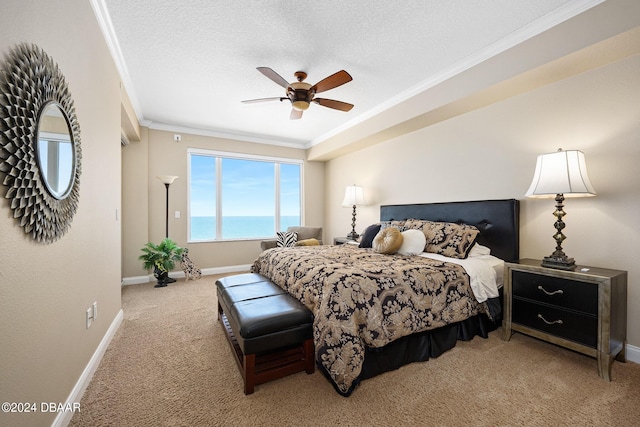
x=569, y=325
x=565, y=293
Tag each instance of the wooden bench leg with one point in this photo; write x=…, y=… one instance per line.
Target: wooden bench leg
x=249, y=373
x=309, y=357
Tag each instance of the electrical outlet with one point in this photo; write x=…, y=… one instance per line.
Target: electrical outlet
x=95, y=310
x=89, y=316
x=177, y=214
x=177, y=137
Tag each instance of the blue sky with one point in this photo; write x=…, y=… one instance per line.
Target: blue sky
x=248, y=187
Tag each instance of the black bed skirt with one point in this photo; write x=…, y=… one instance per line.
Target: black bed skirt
x=421, y=346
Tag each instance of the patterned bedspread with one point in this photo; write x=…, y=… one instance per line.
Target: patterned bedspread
x=362, y=299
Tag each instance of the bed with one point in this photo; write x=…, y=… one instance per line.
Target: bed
x=376, y=312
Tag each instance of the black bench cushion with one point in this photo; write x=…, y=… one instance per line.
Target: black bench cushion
x=240, y=279
x=262, y=315
x=233, y=294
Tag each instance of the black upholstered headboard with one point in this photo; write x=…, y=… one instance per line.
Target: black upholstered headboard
x=497, y=220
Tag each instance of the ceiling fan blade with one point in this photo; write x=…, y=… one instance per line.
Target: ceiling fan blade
x=251, y=101
x=295, y=114
x=333, y=81
x=332, y=103
x=274, y=76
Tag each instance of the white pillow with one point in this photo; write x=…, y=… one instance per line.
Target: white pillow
x=478, y=250
x=413, y=242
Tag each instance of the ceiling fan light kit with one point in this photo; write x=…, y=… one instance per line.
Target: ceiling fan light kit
x=301, y=94
x=300, y=105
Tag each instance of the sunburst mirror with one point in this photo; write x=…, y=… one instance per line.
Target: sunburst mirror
x=40, y=153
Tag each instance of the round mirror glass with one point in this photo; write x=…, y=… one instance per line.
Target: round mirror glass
x=55, y=151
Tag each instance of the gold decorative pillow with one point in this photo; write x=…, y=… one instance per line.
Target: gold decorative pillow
x=308, y=242
x=387, y=241
x=446, y=238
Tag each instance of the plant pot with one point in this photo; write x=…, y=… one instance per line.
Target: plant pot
x=161, y=276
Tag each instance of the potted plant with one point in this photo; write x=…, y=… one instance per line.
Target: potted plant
x=162, y=259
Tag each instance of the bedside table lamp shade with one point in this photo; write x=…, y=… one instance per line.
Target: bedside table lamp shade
x=353, y=196
x=559, y=175
x=562, y=172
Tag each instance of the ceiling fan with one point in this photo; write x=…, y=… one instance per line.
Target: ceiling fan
x=302, y=94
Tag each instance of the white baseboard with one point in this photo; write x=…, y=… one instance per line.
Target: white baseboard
x=136, y=280
x=64, y=417
x=633, y=353
x=223, y=270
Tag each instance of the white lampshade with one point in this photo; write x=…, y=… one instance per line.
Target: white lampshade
x=354, y=196
x=167, y=179
x=562, y=172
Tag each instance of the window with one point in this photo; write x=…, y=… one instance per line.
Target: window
x=55, y=156
x=242, y=197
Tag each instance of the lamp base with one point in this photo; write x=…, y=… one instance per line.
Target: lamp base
x=559, y=263
x=353, y=235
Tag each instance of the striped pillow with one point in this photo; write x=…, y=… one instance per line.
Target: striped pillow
x=286, y=239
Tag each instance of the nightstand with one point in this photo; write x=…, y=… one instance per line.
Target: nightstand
x=341, y=240
x=584, y=310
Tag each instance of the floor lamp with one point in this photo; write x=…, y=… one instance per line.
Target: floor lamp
x=560, y=174
x=167, y=180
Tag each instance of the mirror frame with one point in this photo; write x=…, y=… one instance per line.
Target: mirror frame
x=29, y=82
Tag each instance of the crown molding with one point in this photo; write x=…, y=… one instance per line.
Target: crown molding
x=246, y=137
x=526, y=32
x=106, y=26
x=548, y=21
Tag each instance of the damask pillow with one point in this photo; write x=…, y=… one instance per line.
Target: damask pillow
x=450, y=239
x=286, y=239
x=400, y=225
x=413, y=242
x=366, y=241
x=387, y=241
x=415, y=224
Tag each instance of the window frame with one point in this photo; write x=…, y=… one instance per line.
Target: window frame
x=218, y=156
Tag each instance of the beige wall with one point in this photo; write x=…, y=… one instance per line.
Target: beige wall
x=490, y=153
x=144, y=197
x=45, y=289
x=135, y=202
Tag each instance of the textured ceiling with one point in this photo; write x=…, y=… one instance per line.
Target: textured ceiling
x=187, y=65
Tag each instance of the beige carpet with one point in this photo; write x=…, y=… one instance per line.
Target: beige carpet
x=170, y=365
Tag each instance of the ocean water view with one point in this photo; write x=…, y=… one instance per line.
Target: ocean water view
x=239, y=227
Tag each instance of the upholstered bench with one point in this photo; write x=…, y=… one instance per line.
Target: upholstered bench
x=269, y=330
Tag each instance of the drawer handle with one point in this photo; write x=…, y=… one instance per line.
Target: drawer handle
x=559, y=291
x=559, y=322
